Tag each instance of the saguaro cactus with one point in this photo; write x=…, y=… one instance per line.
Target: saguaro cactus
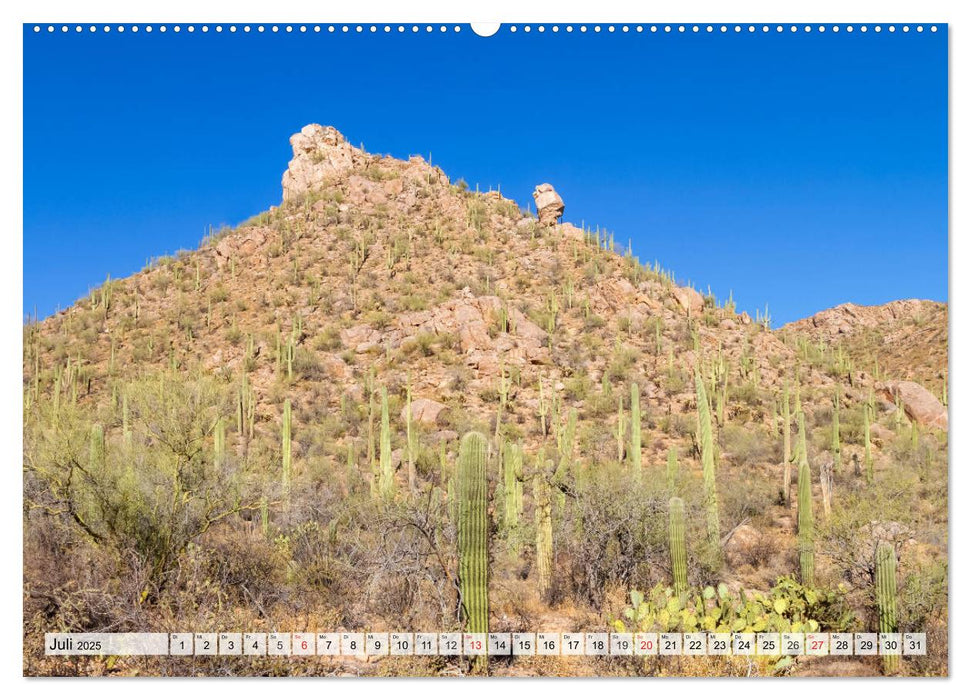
x=837, y=458
x=826, y=487
x=786, y=445
x=806, y=524
x=219, y=443
x=473, y=532
x=543, y=506
x=567, y=438
x=867, y=450
x=708, y=465
x=512, y=486
x=679, y=557
x=635, y=430
x=672, y=470
x=387, y=472
x=621, y=431
x=886, y=595
x=410, y=446
x=287, y=456
x=96, y=452
x=125, y=419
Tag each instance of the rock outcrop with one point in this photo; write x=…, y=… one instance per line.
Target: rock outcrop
x=468, y=318
x=549, y=205
x=689, y=299
x=320, y=153
x=243, y=245
x=919, y=404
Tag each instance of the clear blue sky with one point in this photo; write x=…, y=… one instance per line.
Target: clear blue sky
x=798, y=170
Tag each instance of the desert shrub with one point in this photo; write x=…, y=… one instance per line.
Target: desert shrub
x=678, y=424
x=329, y=339
x=621, y=363
x=577, y=387
x=425, y=343
x=746, y=393
x=923, y=596
x=674, y=382
x=625, y=538
x=306, y=364
x=219, y=293
x=743, y=499
x=592, y=322
x=748, y=444
x=146, y=495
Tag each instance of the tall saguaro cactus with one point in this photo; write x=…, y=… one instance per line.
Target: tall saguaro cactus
x=410, y=438
x=473, y=532
x=126, y=420
x=806, y=523
x=786, y=445
x=708, y=466
x=287, y=456
x=387, y=472
x=679, y=557
x=566, y=440
x=837, y=450
x=96, y=451
x=635, y=430
x=886, y=594
x=621, y=430
x=219, y=443
x=512, y=487
x=867, y=450
x=543, y=507
x=672, y=470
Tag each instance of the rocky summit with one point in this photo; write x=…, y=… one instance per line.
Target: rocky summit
x=392, y=402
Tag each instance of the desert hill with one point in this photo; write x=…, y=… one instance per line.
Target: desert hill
x=904, y=340
x=246, y=382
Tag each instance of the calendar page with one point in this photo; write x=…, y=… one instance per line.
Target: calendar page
x=485, y=350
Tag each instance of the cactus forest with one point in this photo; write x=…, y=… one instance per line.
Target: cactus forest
x=397, y=403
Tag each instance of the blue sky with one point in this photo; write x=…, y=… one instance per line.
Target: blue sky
x=795, y=170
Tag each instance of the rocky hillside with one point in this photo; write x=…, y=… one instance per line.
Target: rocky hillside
x=271, y=350
x=902, y=340
x=375, y=267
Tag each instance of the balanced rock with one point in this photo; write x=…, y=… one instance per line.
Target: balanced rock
x=320, y=153
x=549, y=205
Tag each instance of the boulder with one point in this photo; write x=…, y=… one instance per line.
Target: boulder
x=918, y=403
x=443, y=436
x=549, y=205
x=689, y=299
x=425, y=411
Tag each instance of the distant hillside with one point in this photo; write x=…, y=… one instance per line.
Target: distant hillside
x=904, y=339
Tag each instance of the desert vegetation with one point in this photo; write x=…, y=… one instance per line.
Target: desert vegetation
x=396, y=403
